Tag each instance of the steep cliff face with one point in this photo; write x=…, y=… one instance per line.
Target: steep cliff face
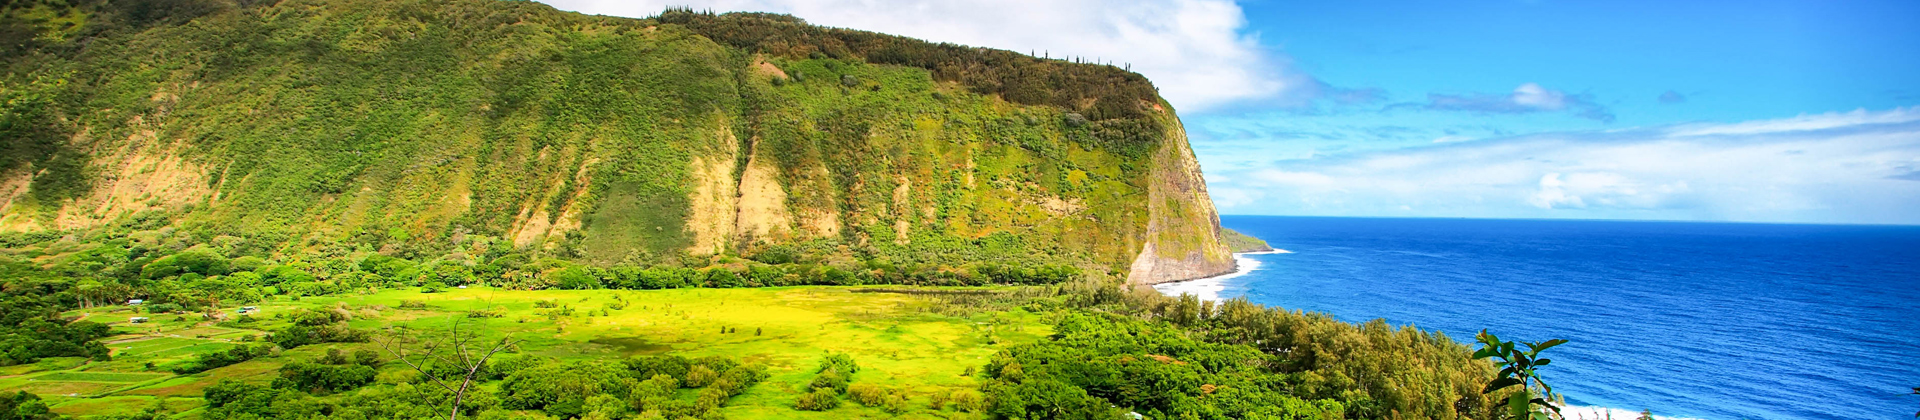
x=1183, y=232
x=448, y=127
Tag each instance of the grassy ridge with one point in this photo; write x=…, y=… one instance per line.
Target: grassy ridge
x=432, y=128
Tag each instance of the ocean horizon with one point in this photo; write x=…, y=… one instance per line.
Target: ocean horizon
x=1685, y=319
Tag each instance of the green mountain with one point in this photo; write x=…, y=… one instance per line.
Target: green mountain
x=425, y=128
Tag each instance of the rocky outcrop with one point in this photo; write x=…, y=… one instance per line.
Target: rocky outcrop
x=1240, y=242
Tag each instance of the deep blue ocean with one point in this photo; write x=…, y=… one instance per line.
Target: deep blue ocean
x=1700, y=320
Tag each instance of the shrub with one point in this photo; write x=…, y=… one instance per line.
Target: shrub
x=323, y=378
x=819, y=400
x=937, y=401
x=300, y=335
x=868, y=394
x=209, y=361
x=968, y=401
x=831, y=380
x=317, y=318
x=653, y=393
x=196, y=262
x=894, y=403
x=840, y=362
x=700, y=376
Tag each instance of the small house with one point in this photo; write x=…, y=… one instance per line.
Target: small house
x=136, y=301
x=137, y=320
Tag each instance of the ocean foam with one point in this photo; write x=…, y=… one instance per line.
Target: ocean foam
x=1576, y=412
x=1209, y=288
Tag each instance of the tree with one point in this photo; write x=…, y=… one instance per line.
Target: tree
x=458, y=348
x=1517, y=368
x=24, y=406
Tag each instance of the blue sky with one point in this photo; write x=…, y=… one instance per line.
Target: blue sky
x=1449, y=71
x=1760, y=111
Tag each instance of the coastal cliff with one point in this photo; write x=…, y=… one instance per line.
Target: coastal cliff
x=457, y=127
x=1240, y=242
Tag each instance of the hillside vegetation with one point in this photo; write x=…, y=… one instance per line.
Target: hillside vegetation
x=1081, y=350
x=429, y=129
x=358, y=209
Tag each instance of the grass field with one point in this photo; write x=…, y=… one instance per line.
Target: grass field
x=905, y=342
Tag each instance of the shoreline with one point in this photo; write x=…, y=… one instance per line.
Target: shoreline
x=1587, y=412
x=1209, y=288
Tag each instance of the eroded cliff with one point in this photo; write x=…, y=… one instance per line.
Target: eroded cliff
x=459, y=127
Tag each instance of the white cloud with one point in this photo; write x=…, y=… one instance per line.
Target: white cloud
x=1196, y=51
x=1856, y=167
x=1532, y=95
x=1804, y=123
x=1553, y=192
x=1527, y=98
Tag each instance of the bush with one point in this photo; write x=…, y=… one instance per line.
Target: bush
x=839, y=362
x=310, y=318
x=937, y=401
x=700, y=376
x=25, y=406
x=819, y=400
x=868, y=394
x=300, y=335
x=968, y=401
x=894, y=403
x=319, y=378
x=197, y=262
x=561, y=389
x=831, y=380
x=209, y=361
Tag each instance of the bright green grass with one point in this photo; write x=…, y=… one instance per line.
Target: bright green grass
x=99, y=377
x=900, y=341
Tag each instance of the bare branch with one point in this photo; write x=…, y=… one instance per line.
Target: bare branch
x=399, y=353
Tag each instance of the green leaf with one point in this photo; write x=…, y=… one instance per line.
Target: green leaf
x=1549, y=344
x=1517, y=404
x=1499, y=384
x=1544, y=403
x=1542, y=362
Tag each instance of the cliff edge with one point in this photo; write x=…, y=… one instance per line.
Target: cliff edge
x=449, y=129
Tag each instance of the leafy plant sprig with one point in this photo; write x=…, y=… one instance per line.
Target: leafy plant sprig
x=1517, y=368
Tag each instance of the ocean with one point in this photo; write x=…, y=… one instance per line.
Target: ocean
x=1688, y=320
